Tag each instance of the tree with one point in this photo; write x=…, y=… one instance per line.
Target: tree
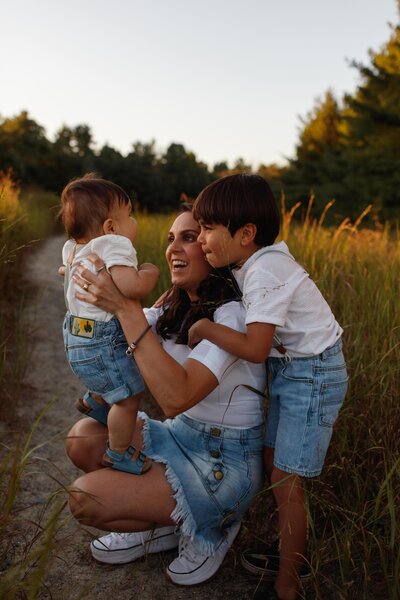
x=372, y=116
x=25, y=149
x=181, y=174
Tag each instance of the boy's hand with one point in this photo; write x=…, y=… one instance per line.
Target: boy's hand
x=197, y=332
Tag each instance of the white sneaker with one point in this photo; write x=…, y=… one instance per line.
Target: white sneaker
x=119, y=548
x=191, y=568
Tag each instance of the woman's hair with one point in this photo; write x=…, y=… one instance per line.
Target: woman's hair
x=235, y=200
x=179, y=313
x=86, y=203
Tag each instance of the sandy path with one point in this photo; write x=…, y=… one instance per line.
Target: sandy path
x=50, y=380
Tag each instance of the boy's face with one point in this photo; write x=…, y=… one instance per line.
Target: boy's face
x=219, y=246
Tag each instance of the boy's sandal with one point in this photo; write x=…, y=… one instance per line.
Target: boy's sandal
x=131, y=461
x=89, y=407
x=265, y=561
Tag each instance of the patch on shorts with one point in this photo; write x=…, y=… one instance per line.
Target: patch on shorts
x=82, y=327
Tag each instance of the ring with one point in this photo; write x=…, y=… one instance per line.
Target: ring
x=86, y=286
x=101, y=268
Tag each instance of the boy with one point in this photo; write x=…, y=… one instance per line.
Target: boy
x=289, y=321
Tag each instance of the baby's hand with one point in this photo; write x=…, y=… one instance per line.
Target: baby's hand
x=197, y=332
x=61, y=271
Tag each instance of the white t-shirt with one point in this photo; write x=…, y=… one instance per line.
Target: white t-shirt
x=231, y=403
x=277, y=290
x=114, y=250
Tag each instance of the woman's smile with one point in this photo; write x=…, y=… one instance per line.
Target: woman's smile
x=184, y=255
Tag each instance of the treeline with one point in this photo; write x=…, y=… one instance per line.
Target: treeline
x=348, y=149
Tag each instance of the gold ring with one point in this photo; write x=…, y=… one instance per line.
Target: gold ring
x=101, y=268
x=86, y=287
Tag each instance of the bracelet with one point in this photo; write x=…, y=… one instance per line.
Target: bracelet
x=132, y=347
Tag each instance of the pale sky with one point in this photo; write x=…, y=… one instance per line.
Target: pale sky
x=225, y=78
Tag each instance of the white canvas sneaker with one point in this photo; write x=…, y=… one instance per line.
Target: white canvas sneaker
x=191, y=568
x=119, y=548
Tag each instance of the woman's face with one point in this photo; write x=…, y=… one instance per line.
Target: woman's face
x=184, y=255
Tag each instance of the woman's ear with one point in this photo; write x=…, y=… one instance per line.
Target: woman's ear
x=249, y=232
x=108, y=226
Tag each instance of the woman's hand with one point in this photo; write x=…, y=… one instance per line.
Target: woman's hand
x=99, y=289
x=198, y=332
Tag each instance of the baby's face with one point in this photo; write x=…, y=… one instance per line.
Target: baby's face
x=123, y=221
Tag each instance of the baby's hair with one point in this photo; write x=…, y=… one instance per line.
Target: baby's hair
x=86, y=203
x=238, y=199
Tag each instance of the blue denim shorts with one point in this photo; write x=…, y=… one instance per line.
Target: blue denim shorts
x=214, y=471
x=305, y=398
x=101, y=363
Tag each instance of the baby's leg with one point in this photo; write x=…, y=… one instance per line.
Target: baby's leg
x=122, y=421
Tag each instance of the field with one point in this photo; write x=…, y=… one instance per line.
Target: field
x=354, y=506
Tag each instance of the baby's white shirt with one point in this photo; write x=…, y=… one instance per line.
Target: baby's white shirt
x=113, y=250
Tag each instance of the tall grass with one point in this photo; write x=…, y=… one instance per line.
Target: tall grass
x=355, y=505
x=24, y=220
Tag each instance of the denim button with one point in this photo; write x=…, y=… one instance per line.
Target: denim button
x=218, y=475
x=215, y=431
x=214, y=453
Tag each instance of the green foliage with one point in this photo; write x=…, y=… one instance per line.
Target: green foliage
x=351, y=151
x=24, y=220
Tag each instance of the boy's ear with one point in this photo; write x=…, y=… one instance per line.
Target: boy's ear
x=108, y=226
x=249, y=232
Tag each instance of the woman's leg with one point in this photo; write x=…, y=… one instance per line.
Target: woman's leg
x=86, y=444
x=115, y=501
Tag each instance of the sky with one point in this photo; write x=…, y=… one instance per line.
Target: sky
x=225, y=78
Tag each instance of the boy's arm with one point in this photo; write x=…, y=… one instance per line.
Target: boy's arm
x=136, y=284
x=254, y=345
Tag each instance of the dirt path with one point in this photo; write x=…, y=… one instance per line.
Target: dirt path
x=50, y=380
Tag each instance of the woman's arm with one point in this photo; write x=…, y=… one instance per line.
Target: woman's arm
x=254, y=345
x=175, y=387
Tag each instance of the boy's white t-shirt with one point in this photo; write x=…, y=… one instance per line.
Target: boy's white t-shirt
x=114, y=250
x=277, y=290
x=231, y=403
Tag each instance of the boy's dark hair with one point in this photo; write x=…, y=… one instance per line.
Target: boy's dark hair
x=86, y=203
x=235, y=200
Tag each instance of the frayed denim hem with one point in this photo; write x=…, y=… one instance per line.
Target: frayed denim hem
x=182, y=514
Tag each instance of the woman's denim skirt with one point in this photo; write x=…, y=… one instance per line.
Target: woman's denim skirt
x=214, y=471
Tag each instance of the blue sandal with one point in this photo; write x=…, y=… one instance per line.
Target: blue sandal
x=89, y=407
x=131, y=461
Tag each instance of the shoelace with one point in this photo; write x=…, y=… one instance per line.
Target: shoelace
x=186, y=549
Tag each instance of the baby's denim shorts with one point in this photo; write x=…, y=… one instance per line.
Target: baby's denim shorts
x=101, y=363
x=306, y=395
x=214, y=471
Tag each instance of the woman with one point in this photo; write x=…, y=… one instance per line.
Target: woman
x=206, y=455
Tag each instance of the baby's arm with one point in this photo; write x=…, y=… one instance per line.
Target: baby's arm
x=254, y=345
x=135, y=283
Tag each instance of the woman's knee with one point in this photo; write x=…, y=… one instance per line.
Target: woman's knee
x=85, y=444
x=83, y=504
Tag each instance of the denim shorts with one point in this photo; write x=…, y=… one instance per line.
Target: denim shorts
x=214, y=471
x=305, y=398
x=101, y=363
